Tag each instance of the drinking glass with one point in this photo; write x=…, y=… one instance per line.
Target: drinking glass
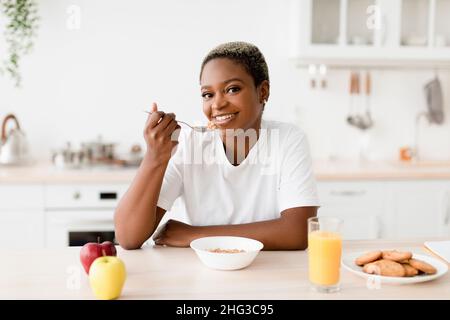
x=324, y=253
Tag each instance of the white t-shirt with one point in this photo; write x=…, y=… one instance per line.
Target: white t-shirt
x=276, y=175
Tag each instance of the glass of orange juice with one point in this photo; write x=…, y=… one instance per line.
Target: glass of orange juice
x=324, y=253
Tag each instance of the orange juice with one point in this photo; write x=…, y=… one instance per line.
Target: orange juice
x=324, y=253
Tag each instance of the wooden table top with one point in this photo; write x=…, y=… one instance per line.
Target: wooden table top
x=176, y=273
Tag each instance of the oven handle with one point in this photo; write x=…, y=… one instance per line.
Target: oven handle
x=107, y=195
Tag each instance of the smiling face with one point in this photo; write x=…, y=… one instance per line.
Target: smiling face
x=230, y=98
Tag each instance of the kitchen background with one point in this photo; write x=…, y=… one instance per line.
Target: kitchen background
x=96, y=65
x=80, y=83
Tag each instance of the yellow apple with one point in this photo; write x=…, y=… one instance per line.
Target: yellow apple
x=107, y=276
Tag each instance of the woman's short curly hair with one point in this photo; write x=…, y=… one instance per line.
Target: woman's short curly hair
x=243, y=53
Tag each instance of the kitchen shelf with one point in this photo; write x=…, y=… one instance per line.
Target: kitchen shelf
x=375, y=58
x=347, y=33
x=325, y=22
x=357, y=32
x=415, y=23
x=442, y=27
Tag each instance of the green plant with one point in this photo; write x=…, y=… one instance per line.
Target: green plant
x=21, y=27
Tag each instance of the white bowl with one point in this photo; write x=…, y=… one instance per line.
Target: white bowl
x=226, y=261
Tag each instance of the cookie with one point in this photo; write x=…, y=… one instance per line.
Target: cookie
x=404, y=261
x=386, y=268
x=372, y=268
x=422, y=266
x=410, y=271
x=396, y=256
x=368, y=257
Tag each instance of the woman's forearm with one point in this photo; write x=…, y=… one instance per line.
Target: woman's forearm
x=276, y=234
x=135, y=216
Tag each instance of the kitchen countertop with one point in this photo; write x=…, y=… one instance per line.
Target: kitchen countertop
x=42, y=173
x=177, y=273
x=324, y=171
x=381, y=170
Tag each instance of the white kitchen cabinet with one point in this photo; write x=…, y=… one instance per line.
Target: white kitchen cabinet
x=22, y=229
x=74, y=227
x=21, y=196
x=388, y=209
x=32, y=214
x=420, y=208
x=361, y=205
x=39, y=215
x=21, y=216
x=76, y=196
x=382, y=33
x=444, y=211
x=79, y=213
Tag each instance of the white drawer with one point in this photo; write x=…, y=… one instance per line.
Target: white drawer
x=83, y=196
x=351, y=193
x=21, y=196
x=360, y=204
x=357, y=224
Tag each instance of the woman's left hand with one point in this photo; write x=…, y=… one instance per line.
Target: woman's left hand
x=175, y=234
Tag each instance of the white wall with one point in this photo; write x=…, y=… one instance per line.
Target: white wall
x=98, y=79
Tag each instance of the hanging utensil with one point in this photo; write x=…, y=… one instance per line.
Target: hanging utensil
x=357, y=116
x=360, y=118
x=367, y=119
x=350, y=116
x=354, y=118
x=434, y=99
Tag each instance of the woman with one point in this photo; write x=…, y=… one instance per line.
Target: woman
x=249, y=177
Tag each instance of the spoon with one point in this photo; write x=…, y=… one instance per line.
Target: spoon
x=195, y=128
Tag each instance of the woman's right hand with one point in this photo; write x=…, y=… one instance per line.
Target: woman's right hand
x=159, y=135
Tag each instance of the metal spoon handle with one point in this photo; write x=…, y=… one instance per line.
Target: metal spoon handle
x=197, y=128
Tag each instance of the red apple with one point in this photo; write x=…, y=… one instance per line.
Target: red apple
x=92, y=250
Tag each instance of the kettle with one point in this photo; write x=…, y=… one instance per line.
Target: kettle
x=13, y=146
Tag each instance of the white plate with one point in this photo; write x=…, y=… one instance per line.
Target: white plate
x=348, y=262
